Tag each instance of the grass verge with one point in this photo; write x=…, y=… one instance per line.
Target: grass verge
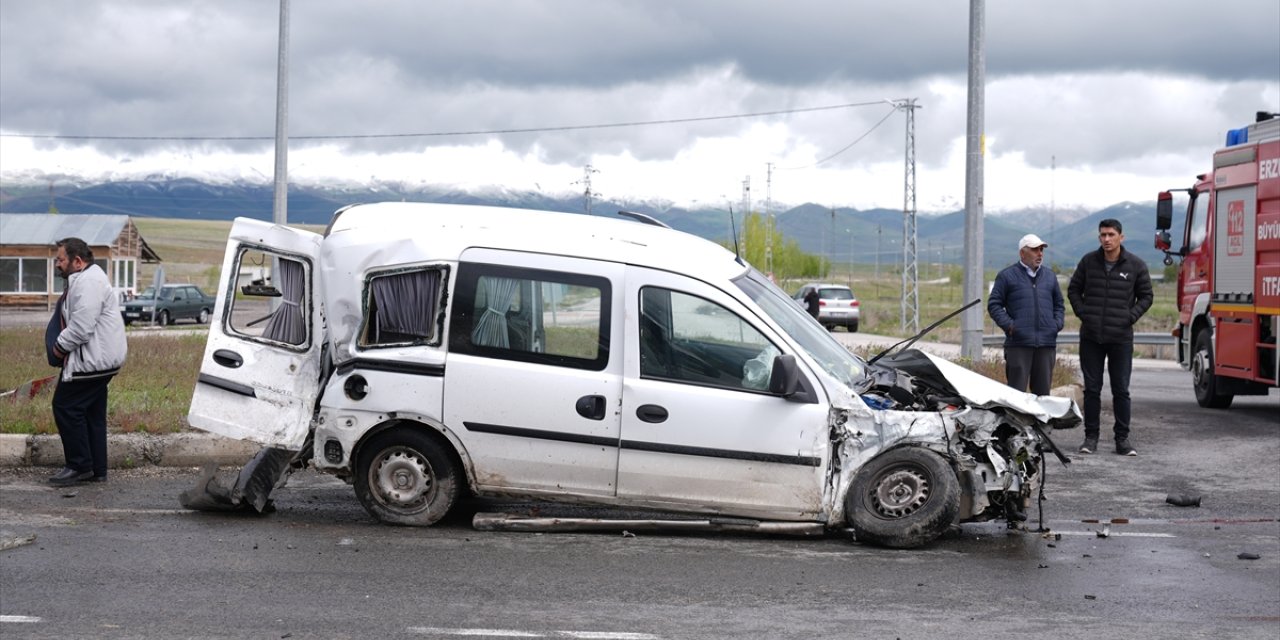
x=150, y=395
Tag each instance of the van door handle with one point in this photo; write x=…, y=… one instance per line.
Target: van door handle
x=591, y=407
x=228, y=358
x=651, y=413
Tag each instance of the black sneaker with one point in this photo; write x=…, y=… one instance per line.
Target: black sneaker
x=1090, y=445
x=1123, y=448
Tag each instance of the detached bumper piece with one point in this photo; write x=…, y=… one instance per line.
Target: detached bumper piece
x=268, y=470
x=511, y=522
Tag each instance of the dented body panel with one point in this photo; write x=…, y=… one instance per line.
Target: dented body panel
x=253, y=386
x=561, y=357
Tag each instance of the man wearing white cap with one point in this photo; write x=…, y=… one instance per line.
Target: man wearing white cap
x=1026, y=303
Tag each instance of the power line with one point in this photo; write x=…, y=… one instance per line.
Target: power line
x=441, y=134
x=846, y=147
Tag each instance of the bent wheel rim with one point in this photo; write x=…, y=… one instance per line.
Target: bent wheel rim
x=899, y=492
x=402, y=479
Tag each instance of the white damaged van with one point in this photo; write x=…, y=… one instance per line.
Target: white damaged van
x=424, y=351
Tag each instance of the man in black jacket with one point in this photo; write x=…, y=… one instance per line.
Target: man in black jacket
x=1109, y=291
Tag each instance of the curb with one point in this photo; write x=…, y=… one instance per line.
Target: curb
x=129, y=450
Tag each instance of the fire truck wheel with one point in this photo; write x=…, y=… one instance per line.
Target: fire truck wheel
x=1206, y=383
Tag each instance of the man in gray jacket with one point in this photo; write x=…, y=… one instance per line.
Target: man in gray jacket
x=1109, y=291
x=91, y=348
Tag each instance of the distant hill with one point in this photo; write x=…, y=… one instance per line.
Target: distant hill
x=838, y=234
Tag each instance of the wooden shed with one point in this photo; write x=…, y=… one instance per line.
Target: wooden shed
x=27, y=249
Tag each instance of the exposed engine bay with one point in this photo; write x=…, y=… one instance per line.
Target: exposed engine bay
x=948, y=446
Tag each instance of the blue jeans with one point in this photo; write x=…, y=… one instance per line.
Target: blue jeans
x=1118, y=359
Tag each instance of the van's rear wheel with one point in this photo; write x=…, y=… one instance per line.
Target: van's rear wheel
x=904, y=498
x=1202, y=376
x=405, y=477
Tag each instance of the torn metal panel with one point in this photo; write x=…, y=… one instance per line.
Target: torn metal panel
x=254, y=483
x=510, y=522
x=988, y=432
x=981, y=391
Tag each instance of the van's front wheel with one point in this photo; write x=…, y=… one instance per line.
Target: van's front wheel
x=404, y=477
x=904, y=498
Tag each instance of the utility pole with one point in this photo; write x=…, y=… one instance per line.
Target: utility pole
x=850, y=232
x=587, y=193
x=879, y=230
x=280, y=203
x=975, y=148
x=910, y=274
x=832, y=259
x=768, y=219
x=1053, y=169
x=746, y=211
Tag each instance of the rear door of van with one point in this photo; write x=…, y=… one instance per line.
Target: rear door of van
x=533, y=374
x=260, y=374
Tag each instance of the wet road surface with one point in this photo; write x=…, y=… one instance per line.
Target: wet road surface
x=121, y=560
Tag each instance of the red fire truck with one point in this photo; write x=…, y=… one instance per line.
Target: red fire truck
x=1229, y=279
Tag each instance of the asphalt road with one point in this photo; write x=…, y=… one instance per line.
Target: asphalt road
x=121, y=560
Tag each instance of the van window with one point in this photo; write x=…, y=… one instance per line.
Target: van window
x=685, y=338
x=253, y=317
x=403, y=307
x=531, y=315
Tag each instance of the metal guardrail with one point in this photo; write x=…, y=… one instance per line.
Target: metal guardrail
x=1073, y=337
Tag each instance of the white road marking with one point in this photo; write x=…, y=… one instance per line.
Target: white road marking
x=1116, y=534
x=607, y=635
x=19, y=619
x=503, y=633
x=144, y=512
x=515, y=633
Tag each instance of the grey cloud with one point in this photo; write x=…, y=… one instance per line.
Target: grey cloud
x=187, y=68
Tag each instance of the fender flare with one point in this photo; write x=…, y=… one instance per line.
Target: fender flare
x=396, y=420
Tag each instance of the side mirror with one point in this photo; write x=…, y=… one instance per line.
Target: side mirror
x=1164, y=211
x=785, y=380
x=1162, y=240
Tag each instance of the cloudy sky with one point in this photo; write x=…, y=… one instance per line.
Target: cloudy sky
x=1088, y=103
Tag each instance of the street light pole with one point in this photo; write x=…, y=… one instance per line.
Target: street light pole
x=280, y=208
x=975, y=147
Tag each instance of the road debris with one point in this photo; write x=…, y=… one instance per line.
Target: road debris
x=16, y=541
x=1182, y=500
x=513, y=522
x=1245, y=555
x=29, y=390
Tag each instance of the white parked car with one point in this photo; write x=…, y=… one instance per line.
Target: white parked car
x=421, y=351
x=837, y=306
